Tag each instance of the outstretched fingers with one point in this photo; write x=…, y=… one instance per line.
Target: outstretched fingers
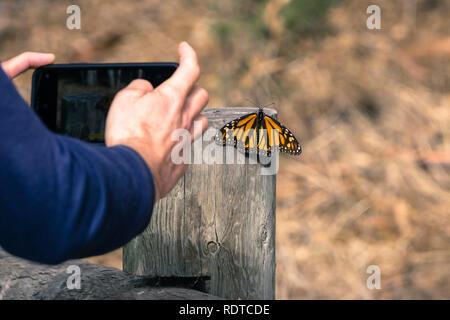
x=179, y=85
x=196, y=101
x=199, y=126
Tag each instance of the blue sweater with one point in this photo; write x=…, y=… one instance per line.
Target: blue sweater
x=61, y=198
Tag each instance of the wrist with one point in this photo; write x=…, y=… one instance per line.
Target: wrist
x=141, y=149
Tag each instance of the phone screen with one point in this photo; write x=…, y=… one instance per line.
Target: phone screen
x=74, y=100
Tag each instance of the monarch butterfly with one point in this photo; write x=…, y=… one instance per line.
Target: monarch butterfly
x=258, y=133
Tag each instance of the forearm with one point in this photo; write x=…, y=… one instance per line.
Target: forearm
x=61, y=198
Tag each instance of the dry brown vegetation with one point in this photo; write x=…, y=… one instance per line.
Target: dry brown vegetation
x=371, y=109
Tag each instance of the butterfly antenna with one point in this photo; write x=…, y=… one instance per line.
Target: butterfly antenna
x=267, y=105
x=252, y=102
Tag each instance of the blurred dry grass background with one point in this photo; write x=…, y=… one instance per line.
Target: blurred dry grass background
x=370, y=107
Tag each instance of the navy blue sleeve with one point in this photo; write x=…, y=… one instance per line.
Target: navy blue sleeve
x=61, y=198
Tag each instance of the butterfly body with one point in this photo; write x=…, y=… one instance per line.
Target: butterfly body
x=258, y=133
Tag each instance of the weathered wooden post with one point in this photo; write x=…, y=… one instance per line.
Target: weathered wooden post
x=217, y=226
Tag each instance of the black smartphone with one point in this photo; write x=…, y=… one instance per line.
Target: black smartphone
x=73, y=99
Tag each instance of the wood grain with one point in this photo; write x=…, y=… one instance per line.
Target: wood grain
x=218, y=222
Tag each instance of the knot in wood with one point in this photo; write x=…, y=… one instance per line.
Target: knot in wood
x=212, y=246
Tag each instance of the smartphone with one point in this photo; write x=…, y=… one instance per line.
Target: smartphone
x=74, y=99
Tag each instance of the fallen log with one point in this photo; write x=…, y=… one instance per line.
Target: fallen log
x=22, y=279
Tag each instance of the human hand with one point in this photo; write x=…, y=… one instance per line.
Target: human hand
x=27, y=60
x=144, y=118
